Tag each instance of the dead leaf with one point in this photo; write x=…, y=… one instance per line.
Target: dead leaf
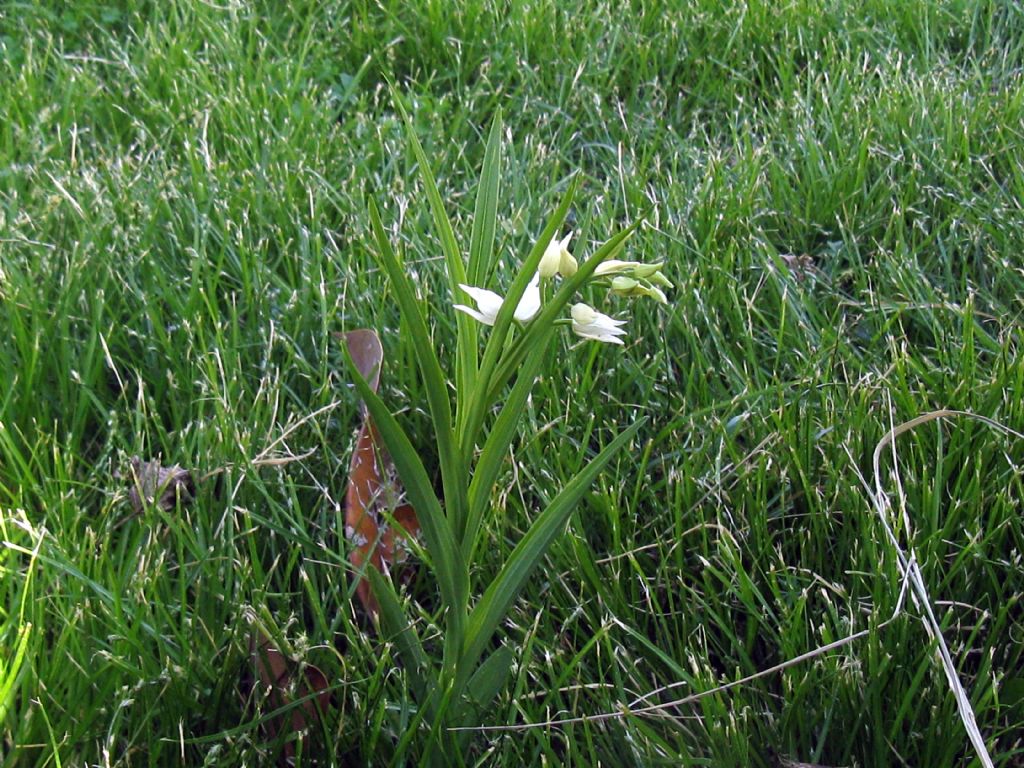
x=783, y=761
x=150, y=482
x=375, y=497
x=367, y=353
x=283, y=682
x=800, y=265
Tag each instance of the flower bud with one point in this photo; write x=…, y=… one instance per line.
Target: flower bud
x=614, y=267
x=557, y=259
x=656, y=293
x=588, y=323
x=659, y=278
x=567, y=264
x=623, y=285
x=641, y=271
x=550, y=260
x=627, y=286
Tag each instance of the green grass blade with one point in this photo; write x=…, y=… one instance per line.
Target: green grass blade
x=9, y=676
x=493, y=606
x=398, y=629
x=433, y=377
x=452, y=576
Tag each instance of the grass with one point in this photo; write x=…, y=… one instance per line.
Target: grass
x=836, y=189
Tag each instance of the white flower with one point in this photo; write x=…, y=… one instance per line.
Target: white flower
x=557, y=259
x=488, y=303
x=591, y=324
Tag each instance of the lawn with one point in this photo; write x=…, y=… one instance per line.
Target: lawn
x=835, y=189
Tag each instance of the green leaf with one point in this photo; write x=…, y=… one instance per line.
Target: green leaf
x=496, y=445
x=481, y=244
x=490, y=677
x=466, y=355
x=452, y=574
x=452, y=471
x=423, y=676
x=488, y=680
x=493, y=606
x=485, y=215
x=445, y=232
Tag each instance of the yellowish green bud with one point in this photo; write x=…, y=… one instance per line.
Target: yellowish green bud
x=659, y=279
x=567, y=264
x=614, y=267
x=627, y=286
x=657, y=294
x=641, y=271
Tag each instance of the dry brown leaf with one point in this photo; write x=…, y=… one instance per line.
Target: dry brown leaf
x=150, y=481
x=800, y=265
x=283, y=682
x=785, y=762
x=374, y=495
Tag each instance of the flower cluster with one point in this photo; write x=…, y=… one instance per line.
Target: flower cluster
x=632, y=278
x=623, y=278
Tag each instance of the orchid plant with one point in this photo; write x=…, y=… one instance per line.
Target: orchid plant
x=455, y=690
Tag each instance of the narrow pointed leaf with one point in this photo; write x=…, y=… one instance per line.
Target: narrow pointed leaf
x=452, y=577
x=466, y=363
x=487, y=682
x=495, y=449
x=493, y=606
x=481, y=245
x=485, y=215
x=434, y=381
x=445, y=232
x=490, y=677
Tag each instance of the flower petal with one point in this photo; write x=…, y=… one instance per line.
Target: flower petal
x=474, y=314
x=557, y=259
x=488, y=303
x=529, y=305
